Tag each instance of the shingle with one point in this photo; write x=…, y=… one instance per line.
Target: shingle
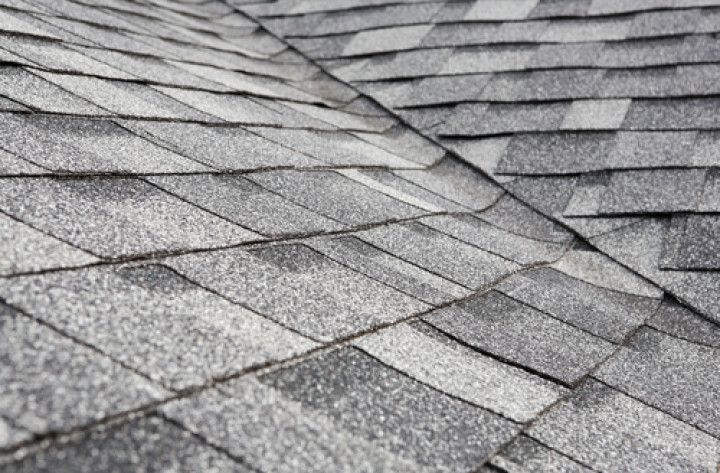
x=526, y=454
x=710, y=199
x=692, y=242
x=11, y=164
x=596, y=268
x=299, y=288
x=147, y=444
x=386, y=39
x=15, y=24
x=29, y=89
x=510, y=214
x=643, y=367
x=155, y=321
x=600, y=311
x=639, y=246
x=661, y=23
x=337, y=148
x=149, y=68
x=229, y=107
x=115, y=217
x=245, y=203
x=461, y=34
x=394, y=272
x=440, y=253
x=610, y=431
x=443, y=89
x=53, y=55
x=407, y=143
x=569, y=31
x=224, y=148
x=657, y=190
x=321, y=191
x=470, y=229
x=548, y=195
x=661, y=51
x=499, y=325
x=557, y=153
x=380, y=16
x=432, y=358
x=500, y=10
x=565, y=55
x=323, y=47
x=391, y=191
x=648, y=149
x=343, y=119
x=269, y=430
x=430, y=200
x=26, y=249
x=68, y=144
x=395, y=66
x=673, y=114
x=39, y=361
x=596, y=115
x=681, y=322
x=122, y=99
x=479, y=119
x=488, y=59
x=375, y=401
x=706, y=149
x=280, y=434
x=456, y=181
x=542, y=85
x=553, y=8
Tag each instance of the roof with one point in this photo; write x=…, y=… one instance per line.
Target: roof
x=359, y=235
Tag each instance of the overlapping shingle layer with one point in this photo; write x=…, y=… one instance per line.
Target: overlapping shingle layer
x=221, y=254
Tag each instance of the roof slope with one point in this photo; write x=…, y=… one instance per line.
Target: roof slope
x=220, y=257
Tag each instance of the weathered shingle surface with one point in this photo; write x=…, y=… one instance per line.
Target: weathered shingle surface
x=439, y=236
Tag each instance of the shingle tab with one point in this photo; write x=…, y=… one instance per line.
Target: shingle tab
x=245, y=203
x=600, y=311
x=390, y=270
x=644, y=366
x=439, y=253
x=608, y=431
x=499, y=325
x=319, y=191
x=85, y=145
x=150, y=444
x=147, y=316
x=372, y=400
x=432, y=358
x=38, y=361
x=692, y=242
x=298, y=287
x=115, y=217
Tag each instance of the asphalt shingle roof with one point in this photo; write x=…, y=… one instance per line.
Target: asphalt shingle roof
x=361, y=235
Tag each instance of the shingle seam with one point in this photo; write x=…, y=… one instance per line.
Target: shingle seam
x=219, y=448
x=582, y=380
x=486, y=250
x=370, y=276
x=265, y=242
x=436, y=389
x=684, y=339
x=657, y=408
x=75, y=339
x=549, y=447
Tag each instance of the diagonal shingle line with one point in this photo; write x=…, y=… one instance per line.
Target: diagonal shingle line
x=619, y=346
x=45, y=440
